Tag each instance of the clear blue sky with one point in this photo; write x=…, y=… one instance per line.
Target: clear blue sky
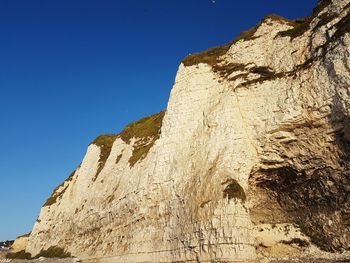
x=71, y=70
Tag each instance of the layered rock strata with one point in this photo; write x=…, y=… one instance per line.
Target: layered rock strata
x=252, y=152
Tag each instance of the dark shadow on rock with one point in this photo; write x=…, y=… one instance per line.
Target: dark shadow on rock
x=316, y=198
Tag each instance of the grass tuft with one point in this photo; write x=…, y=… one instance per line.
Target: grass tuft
x=19, y=255
x=105, y=142
x=140, y=153
x=25, y=235
x=147, y=130
x=56, y=193
x=302, y=25
x=212, y=55
x=53, y=252
x=280, y=19
x=145, y=127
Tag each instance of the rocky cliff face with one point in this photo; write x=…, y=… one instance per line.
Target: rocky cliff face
x=250, y=157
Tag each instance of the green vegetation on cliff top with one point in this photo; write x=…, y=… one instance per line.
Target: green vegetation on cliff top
x=300, y=26
x=146, y=130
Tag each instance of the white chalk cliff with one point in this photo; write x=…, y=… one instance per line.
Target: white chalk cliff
x=252, y=153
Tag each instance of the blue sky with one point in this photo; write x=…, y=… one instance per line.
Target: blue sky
x=71, y=70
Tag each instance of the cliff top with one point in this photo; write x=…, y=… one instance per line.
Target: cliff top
x=213, y=55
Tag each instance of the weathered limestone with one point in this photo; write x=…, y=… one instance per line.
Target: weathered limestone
x=253, y=150
x=20, y=243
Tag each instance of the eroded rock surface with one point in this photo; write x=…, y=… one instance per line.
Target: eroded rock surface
x=20, y=243
x=250, y=158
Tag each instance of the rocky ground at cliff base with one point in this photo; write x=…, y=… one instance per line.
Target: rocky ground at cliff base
x=318, y=260
x=48, y=260
x=75, y=260
x=42, y=260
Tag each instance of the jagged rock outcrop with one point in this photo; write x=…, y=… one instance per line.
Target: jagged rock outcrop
x=251, y=156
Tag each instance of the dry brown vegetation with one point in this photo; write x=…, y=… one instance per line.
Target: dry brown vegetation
x=147, y=130
x=53, y=252
x=145, y=127
x=56, y=193
x=212, y=55
x=19, y=255
x=105, y=142
x=302, y=25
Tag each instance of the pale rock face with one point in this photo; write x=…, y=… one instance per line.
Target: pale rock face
x=276, y=127
x=20, y=243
